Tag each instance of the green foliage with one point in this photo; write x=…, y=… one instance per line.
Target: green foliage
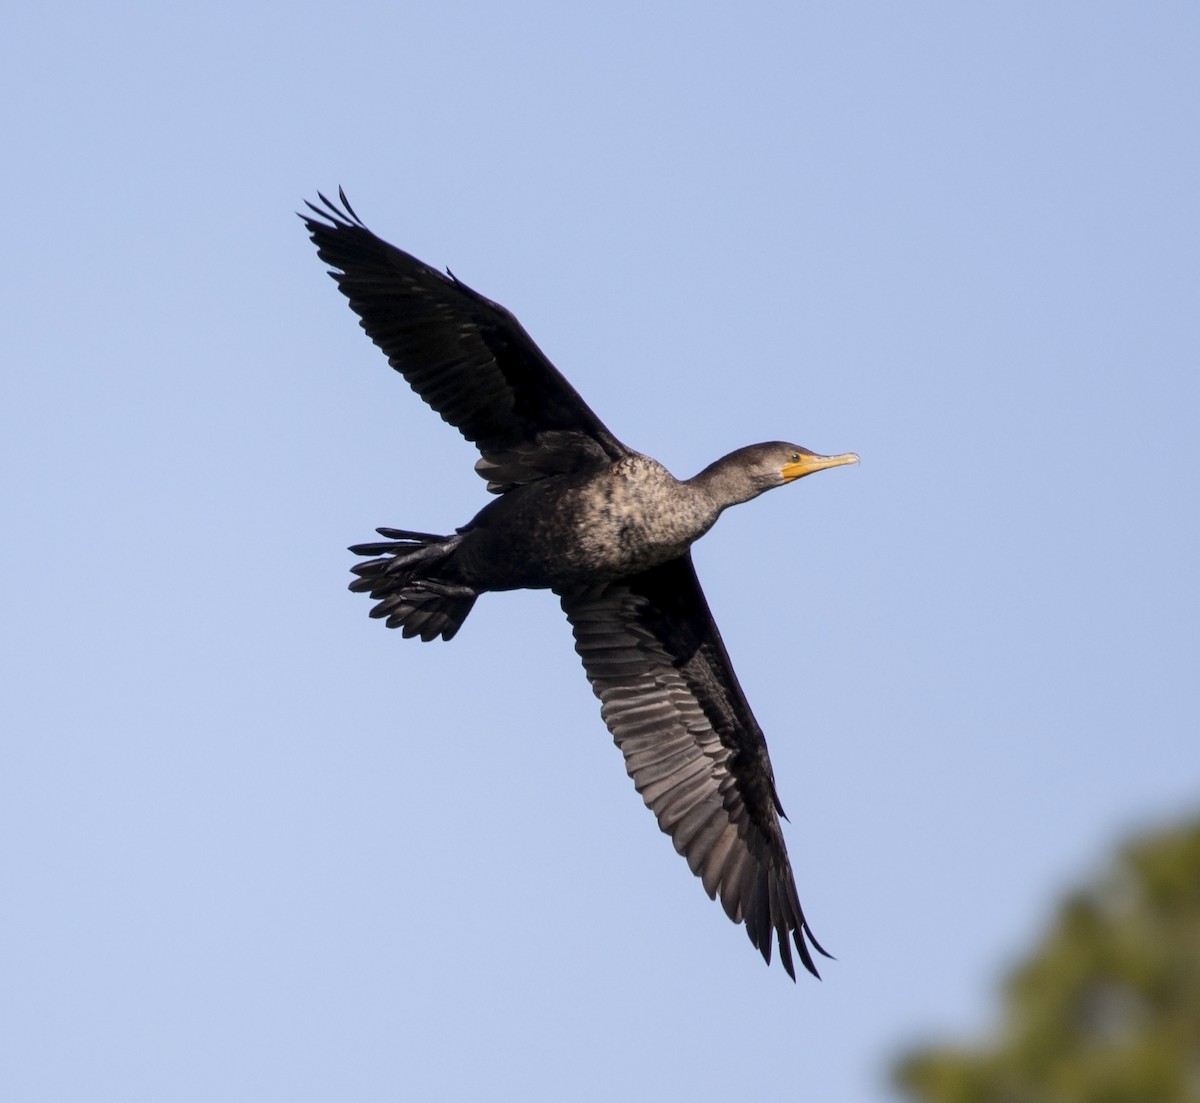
x=1108, y=1008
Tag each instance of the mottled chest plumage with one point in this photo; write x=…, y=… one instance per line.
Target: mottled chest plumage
x=634, y=516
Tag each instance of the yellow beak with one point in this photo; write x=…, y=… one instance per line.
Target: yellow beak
x=810, y=462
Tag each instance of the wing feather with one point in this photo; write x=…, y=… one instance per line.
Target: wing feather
x=465, y=355
x=691, y=744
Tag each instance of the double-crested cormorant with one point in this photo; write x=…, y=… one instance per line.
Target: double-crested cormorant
x=609, y=531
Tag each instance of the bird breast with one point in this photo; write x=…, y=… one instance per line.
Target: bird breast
x=634, y=516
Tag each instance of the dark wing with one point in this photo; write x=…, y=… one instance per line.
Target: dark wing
x=691, y=744
x=466, y=356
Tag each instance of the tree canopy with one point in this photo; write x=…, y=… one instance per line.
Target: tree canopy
x=1107, y=1009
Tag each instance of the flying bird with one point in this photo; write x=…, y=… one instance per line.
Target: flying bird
x=609, y=531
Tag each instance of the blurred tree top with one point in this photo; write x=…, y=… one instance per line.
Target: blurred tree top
x=1108, y=1008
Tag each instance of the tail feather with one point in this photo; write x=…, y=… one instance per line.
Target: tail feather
x=394, y=536
x=412, y=592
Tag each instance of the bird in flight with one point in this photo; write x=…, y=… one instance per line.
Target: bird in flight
x=609, y=531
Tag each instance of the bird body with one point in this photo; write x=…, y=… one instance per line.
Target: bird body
x=622, y=518
x=628, y=515
x=609, y=531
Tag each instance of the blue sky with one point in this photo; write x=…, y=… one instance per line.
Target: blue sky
x=256, y=847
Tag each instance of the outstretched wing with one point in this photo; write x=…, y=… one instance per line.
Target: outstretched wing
x=466, y=356
x=691, y=744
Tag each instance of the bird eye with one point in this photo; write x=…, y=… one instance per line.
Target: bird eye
x=795, y=457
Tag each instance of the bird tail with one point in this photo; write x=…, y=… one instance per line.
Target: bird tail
x=407, y=577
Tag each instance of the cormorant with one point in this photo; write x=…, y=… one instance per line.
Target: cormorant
x=609, y=531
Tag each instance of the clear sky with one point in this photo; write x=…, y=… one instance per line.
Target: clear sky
x=256, y=847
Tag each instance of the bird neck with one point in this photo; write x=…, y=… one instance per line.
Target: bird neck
x=724, y=483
